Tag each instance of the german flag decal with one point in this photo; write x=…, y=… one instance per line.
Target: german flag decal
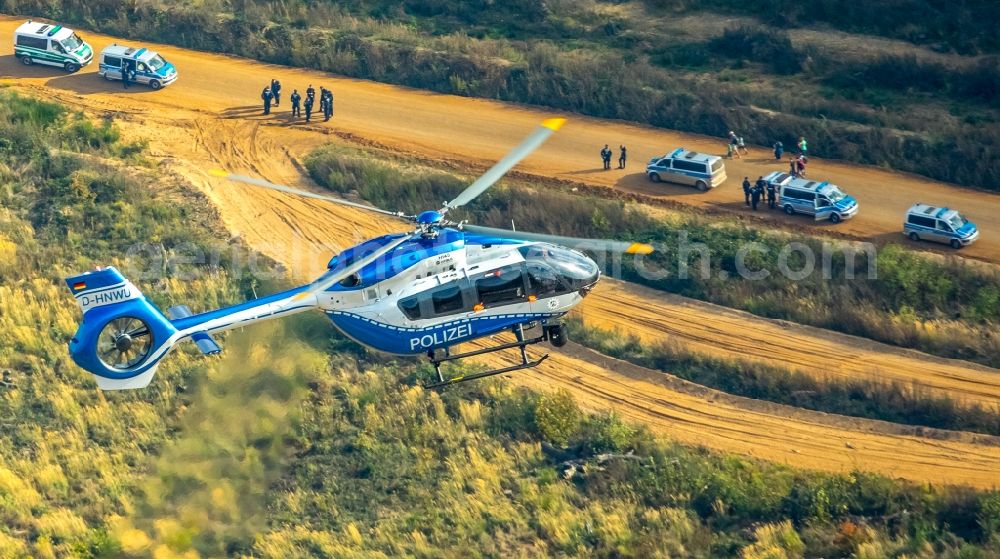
x=79, y=285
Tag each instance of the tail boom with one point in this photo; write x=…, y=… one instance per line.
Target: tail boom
x=123, y=336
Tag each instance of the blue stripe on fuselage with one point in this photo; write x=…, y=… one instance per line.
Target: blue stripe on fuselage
x=414, y=341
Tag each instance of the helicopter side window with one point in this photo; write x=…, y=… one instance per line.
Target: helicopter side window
x=447, y=299
x=410, y=307
x=501, y=287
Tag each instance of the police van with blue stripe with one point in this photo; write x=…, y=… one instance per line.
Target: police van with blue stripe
x=941, y=225
x=149, y=67
x=51, y=45
x=821, y=200
x=688, y=167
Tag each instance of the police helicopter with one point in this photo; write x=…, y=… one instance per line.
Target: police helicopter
x=421, y=292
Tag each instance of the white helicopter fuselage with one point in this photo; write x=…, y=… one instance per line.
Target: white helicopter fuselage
x=476, y=289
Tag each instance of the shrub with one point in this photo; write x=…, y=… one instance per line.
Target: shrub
x=557, y=417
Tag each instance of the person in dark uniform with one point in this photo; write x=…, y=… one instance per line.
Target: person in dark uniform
x=128, y=73
x=757, y=192
x=621, y=157
x=276, y=91
x=310, y=92
x=793, y=167
x=322, y=101
x=266, y=96
x=779, y=149
x=606, y=157
x=772, y=195
x=328, y=114
x=309, y=107
x=296, y=101
x=746, y=190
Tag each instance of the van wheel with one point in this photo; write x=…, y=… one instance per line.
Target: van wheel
x=155, y=84
x=655, y=177
x=71, y=67
x=789, y=209
x=835, y=218
x=914, y=237
x=26, y=60
x=955, y=244
x=701, y=185
x=107, y=76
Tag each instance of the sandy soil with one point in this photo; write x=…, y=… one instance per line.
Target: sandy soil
x=209, y=120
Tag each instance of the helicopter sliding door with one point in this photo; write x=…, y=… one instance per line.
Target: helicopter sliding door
x=503, y=286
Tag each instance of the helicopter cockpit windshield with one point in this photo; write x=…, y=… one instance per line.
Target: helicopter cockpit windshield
x=553, y=270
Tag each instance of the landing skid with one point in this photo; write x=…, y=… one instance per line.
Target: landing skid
x=521, y=344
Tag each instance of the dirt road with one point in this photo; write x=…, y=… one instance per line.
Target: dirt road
x=191, y=130
x=478, y=132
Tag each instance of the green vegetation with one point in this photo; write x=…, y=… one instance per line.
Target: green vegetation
x=896, y=402
x=72, y=195
x=290, y=446
x=666, y=63
x=942, y=306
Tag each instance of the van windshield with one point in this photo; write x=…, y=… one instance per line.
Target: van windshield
x=72, y=42
x=835, y=194
x=156, y=62
x=716, y=165
x=956, y=221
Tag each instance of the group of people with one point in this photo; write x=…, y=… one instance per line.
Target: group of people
x=272, y=94
x=606, y=157
x=753, y=194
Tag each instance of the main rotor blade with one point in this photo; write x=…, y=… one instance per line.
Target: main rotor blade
x=490, y=177
x=571, y=242
x=304, y=193
x=326, y=282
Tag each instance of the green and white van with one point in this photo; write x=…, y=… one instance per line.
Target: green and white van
x=51, y=44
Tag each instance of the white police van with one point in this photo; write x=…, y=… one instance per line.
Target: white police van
x=150, y=68
x=821, y=200
x=52, y=45
x=942, y=225
x=688, y=167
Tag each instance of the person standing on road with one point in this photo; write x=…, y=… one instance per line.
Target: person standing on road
x=276, y=91
x=757, y=192
x=296, y=101
x=606, y=157
x=328, y=113
x=801, y=165
x=309, y=107
x=621, y=157
x=741, y=147
x=310, y=92
x=746, y=190
x=779, y=149
x=128, y=74
x=772, y=195
x=803, y=147
x=267, y=96
x=793, y=167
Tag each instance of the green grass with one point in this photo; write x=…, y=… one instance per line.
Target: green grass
x=296, y=443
